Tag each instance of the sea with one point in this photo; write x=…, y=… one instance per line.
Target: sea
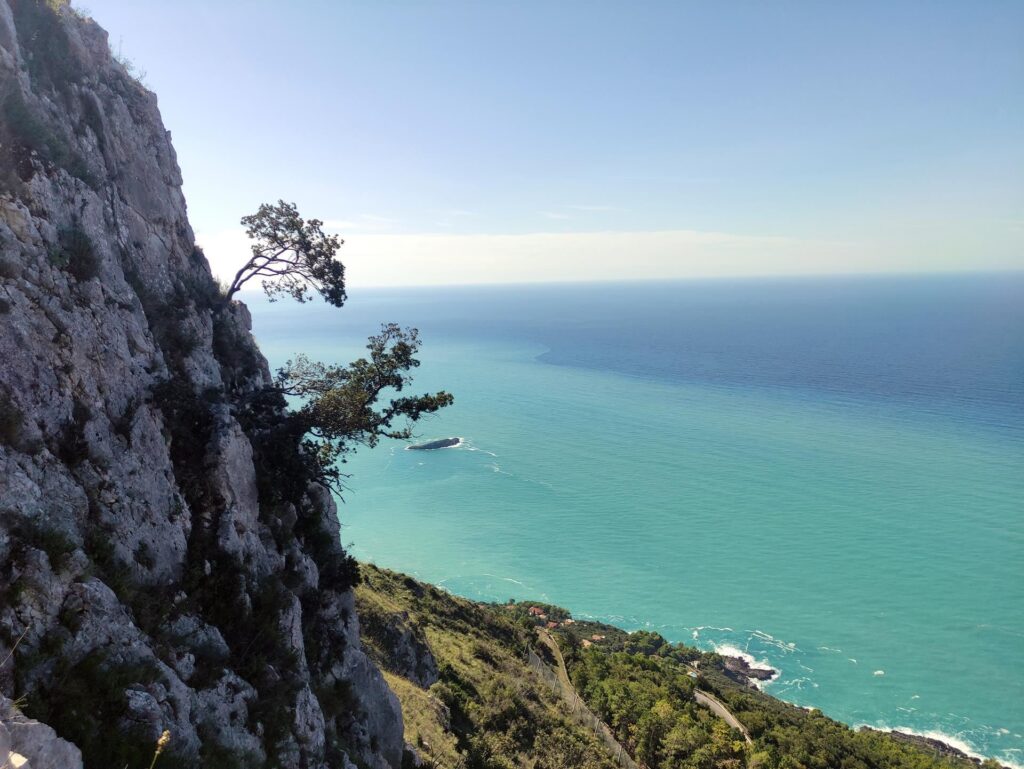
x=824, y=475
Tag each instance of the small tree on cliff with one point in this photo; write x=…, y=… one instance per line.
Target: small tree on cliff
x=339, y=406
x=340, y=410
x=293, y=255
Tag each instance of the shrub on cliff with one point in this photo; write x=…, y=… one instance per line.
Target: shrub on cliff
x=340, y=410
x=77, y=255
x=11, y=420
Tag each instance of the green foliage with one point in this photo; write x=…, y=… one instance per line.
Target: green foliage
x=106, y=565
x=72, y=447
x=488, y=709
x=340, y=411
x=9, y=269
x=12, y=420
x=42, y=535
x=336, y=698
x=238, y=358
x=22, y=133
x=293, y=255
x=54, y=67
x=496, y=713
x=639, y=684
x=77, y=254
x=144, y=555
x=52, y=60
x=169, y=318
x=337, y=569
x=648, y=702
x=84, y=700
x=189, y=420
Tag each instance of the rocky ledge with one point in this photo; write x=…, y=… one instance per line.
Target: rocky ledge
x=741, y=671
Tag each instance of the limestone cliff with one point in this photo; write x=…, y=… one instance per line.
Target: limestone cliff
x=157, y=570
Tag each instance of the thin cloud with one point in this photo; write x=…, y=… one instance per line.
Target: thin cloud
x=441, y=258
x=449, y=214
x=449, y=258
x=592, y=208
x=554, y=215
x=362, y=223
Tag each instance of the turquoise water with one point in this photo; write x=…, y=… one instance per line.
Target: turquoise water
x=825, y=475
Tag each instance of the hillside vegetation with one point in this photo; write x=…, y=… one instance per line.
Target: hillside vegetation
x=470, y=699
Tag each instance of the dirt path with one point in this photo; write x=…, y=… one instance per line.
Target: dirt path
x=563, y=673
x=706, y=699
x=719, y=709
x=559, y=680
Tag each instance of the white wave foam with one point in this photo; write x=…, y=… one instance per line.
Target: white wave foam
x=482, y=451
x=878, y=673
x=778, y=643
x=728, y=650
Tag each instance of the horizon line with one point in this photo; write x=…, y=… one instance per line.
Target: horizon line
x=766, y=277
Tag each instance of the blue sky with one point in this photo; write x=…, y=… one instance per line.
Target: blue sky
x=459, y=142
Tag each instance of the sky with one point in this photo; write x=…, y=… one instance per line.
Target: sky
x=481, y=142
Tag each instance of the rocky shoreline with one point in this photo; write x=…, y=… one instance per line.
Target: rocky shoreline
x=741, y=671
x=930, y=743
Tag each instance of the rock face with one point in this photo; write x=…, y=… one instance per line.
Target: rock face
x=161, y=566
x=28, y=744
x=741, y=671
x=400, y=647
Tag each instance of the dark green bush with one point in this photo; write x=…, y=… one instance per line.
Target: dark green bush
x=144, y=555
x=189, y=419
x=11, y=421
x=234, y=351
x=73, y=448
x=42, y=535
x=52, y=61
x=79, y=257
x=9, y=269
x=85, y=701
x=22, y=133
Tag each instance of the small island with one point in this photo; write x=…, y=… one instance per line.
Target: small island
x=441, y=443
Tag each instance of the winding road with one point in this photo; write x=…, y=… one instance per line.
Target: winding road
x=714, y=704
x=706, y=699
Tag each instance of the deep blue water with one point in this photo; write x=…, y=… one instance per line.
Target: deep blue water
x=825, y=474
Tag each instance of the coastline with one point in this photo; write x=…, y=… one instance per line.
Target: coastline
x=743, y=668
x=940, y=743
